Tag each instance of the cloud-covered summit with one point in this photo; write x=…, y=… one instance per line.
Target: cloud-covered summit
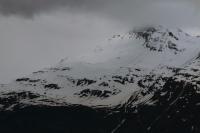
x=56, y=29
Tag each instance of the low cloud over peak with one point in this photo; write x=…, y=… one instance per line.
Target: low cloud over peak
x=173, y=12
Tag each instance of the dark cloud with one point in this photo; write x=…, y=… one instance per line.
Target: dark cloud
x=126, y=11
x=28, y=8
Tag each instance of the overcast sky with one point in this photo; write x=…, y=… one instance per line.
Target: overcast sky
x=38, y=33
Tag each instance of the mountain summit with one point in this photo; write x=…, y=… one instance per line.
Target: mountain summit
x=145, y=81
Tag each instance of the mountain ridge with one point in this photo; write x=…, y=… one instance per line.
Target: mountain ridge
x=153, y=70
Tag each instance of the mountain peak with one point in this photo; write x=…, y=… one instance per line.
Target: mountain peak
x=159, y=38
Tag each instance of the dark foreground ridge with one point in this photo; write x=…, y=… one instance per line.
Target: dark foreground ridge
x=176, y=111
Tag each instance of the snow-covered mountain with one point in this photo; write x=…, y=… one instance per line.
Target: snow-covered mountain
x=146, y=80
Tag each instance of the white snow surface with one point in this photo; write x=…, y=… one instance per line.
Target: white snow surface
x=122, y=55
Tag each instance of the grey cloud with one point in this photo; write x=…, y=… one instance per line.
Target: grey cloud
x=31, y=7
x=28, y=8
x=171, y=12
x=131, y=13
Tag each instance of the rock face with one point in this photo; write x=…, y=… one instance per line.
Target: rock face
x=144, y=81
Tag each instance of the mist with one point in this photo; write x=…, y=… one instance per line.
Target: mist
x=38, y=33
